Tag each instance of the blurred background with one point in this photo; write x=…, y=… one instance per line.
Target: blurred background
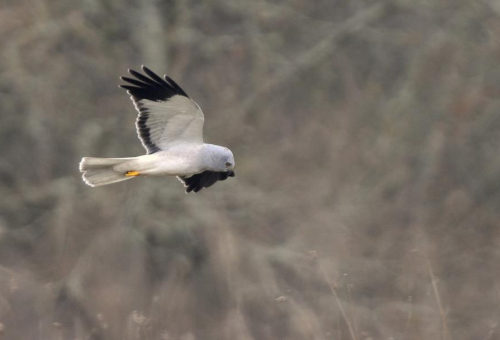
x=366, y=203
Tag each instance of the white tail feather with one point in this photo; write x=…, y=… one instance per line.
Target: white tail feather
x=99, y=171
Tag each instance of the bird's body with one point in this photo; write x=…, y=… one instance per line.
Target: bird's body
x=170, y=126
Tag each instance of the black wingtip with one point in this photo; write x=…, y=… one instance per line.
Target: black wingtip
x=150, y=86
x=133, y=72
x=175, y=85
x=205, y=179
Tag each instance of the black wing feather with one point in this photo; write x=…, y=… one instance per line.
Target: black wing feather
x=176, y=86
x=142, y=77
x=133, y=81
x=152, y=88
x=204, y=180
x=155, y=77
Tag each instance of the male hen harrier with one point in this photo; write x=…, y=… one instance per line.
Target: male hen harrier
x=170, y=126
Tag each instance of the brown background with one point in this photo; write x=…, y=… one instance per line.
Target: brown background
x=366, y=136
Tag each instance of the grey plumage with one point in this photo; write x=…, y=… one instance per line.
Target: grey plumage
x=170, y=126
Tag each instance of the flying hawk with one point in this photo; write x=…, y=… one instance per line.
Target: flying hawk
x=170, y=127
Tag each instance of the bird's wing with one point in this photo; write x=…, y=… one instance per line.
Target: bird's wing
x=167, y=116
x=204, y=180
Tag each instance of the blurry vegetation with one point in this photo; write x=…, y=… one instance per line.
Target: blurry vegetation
x=366, y=202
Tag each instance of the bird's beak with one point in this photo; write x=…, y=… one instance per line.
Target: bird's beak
x=231, y=173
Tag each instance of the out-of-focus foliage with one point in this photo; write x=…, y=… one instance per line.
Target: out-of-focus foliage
x=366, y=202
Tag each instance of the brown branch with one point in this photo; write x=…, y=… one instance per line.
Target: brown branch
x=317, y=53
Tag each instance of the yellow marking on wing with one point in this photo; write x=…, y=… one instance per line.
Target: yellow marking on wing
x=132, y=173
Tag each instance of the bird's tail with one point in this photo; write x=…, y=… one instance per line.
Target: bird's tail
x=99, y=171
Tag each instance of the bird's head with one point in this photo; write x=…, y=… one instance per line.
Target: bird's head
x=229, y=162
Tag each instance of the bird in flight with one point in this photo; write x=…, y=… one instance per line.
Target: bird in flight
x=170, y=127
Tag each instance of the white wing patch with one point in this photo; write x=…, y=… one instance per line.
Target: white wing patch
x=167, y=116
x=168, y=123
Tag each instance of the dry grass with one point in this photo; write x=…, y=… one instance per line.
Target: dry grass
x=362, y=131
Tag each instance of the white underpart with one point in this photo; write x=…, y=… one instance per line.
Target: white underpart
x=176, y=129
x=179, y=160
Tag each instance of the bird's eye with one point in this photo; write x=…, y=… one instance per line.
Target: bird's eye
x=228, y=164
